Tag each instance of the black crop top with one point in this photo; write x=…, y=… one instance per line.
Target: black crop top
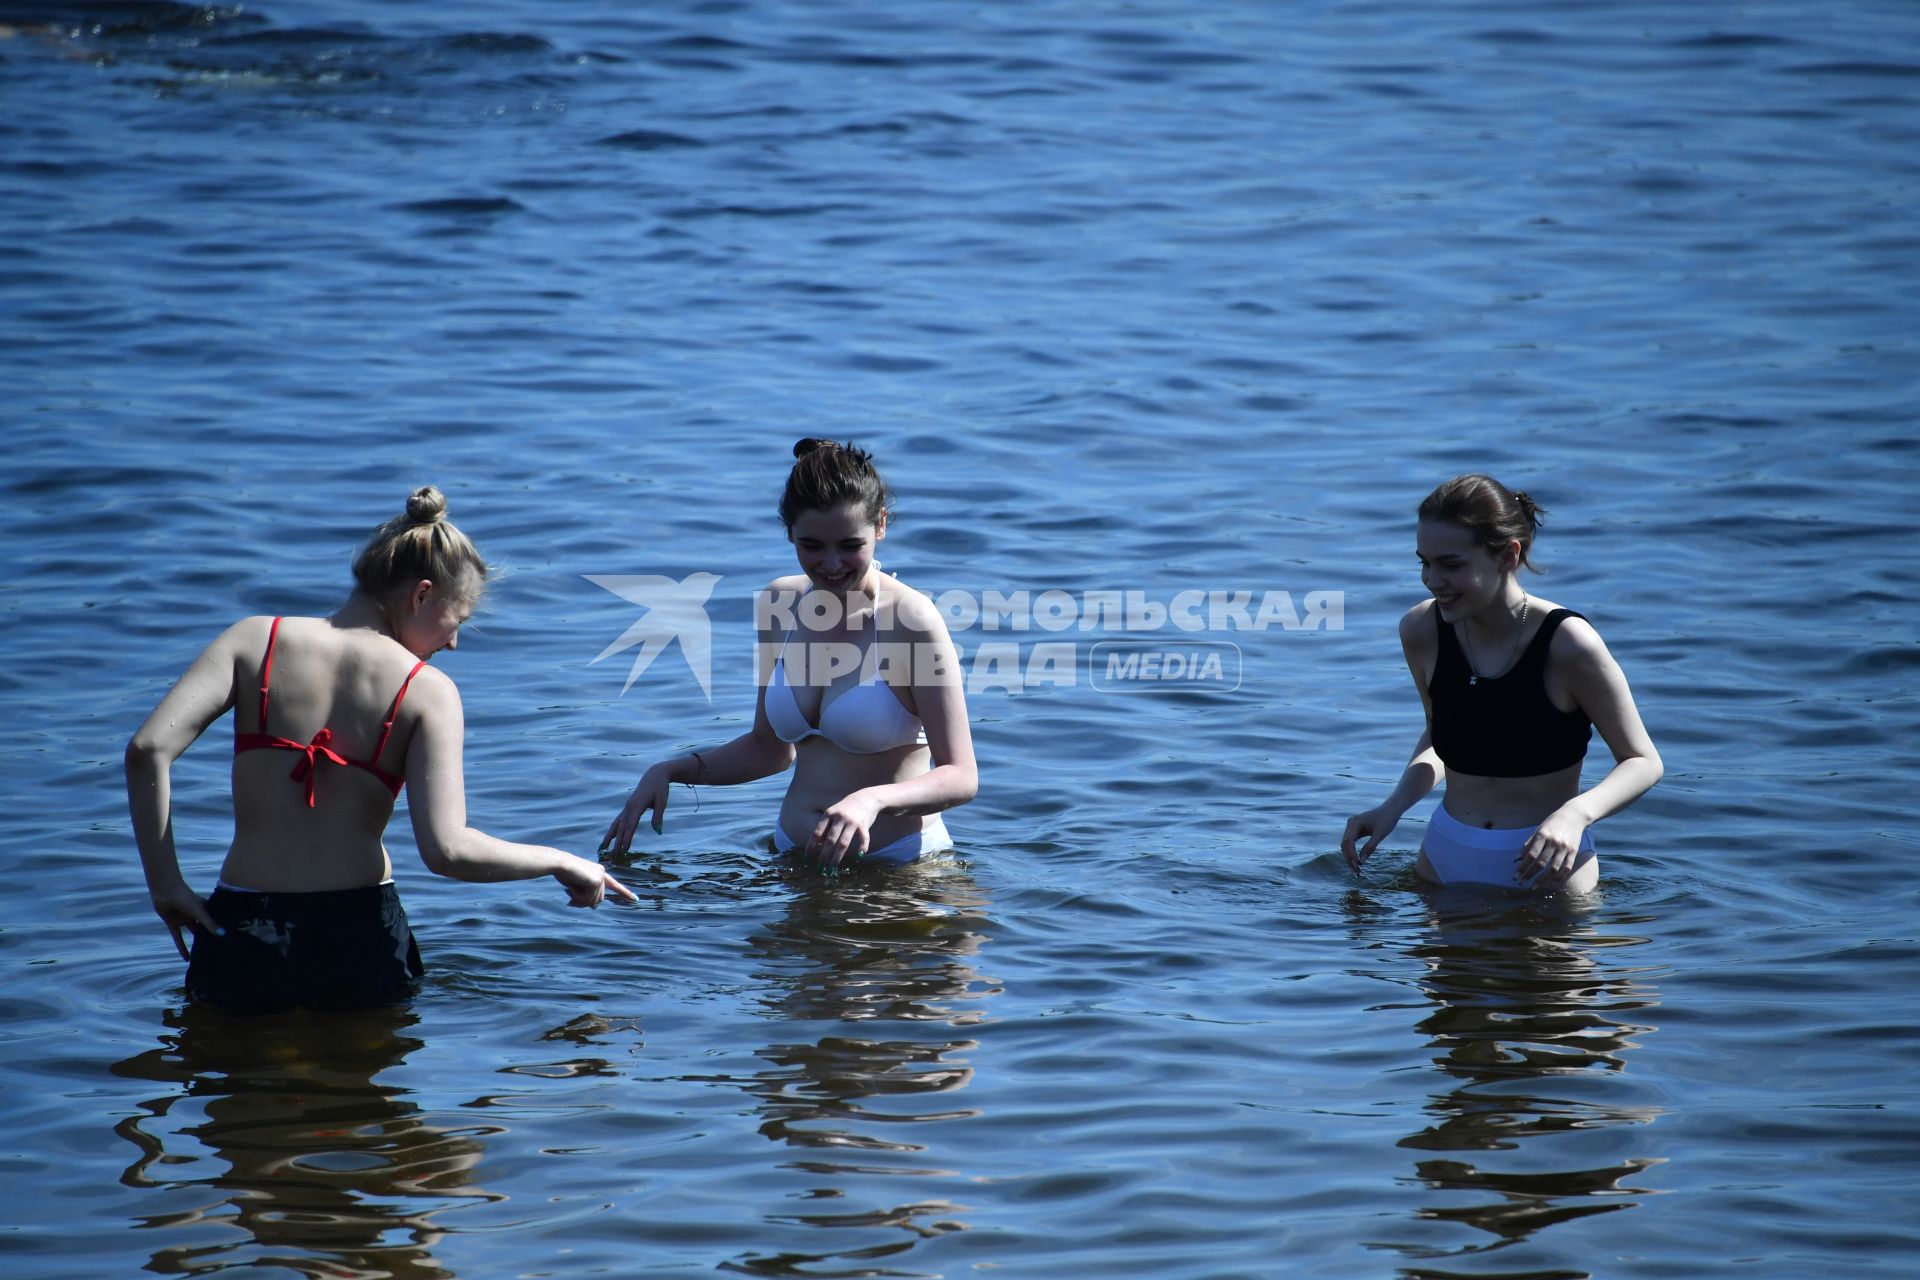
x=1504, y=726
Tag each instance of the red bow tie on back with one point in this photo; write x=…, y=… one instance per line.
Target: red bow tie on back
x=310, y=756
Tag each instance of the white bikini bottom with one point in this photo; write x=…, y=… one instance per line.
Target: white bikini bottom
x=912, y=847
x=1460, y=854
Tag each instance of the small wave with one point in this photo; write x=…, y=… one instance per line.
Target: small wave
x=299, y=37
x=649, y=140
x=116, y=20
x=761, y=211
x=681, y=44
x=1513, y=35
x=1659, y=182
x=463, y=206
x=1731, y=40
x=1275, y=404
x=1858, y=70
x=890, y=364
x=495, y=42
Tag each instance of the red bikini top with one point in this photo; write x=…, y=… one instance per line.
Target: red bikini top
x=321, y=748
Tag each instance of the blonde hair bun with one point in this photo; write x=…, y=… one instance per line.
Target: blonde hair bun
x=426, y=505
x=418, y=543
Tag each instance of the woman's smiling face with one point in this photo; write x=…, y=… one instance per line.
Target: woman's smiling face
x=1463, y=576
x=836, y=546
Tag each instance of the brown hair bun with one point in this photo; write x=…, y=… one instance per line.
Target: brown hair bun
x=1491, y=512
x=827, y=476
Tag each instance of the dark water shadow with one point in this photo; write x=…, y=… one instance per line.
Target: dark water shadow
x=275, y=1144
x=890, y=957
x=1533, y=1011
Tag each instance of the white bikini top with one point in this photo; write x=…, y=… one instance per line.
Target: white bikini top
x=865, y=719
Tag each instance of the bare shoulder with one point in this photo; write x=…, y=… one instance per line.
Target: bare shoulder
x=434, y=686
x=1577, y=643
x=433, y=698
x=913, y=611
x=250, y=632
x=234, y=652
x=243, y=642
x=1418, y=628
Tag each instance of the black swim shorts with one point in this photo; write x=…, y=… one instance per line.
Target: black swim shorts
x=341, y=949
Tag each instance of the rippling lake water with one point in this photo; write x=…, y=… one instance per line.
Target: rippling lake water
x=1150, y=297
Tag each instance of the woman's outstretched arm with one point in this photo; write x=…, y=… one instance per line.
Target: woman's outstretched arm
x=757, y=753
x=436, y=780
x=1419, y=643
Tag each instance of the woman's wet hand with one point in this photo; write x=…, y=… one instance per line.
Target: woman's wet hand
x=650, y=794
x=843, y=832
x=588, y=883
x=1553, y=851
x=1375, y=825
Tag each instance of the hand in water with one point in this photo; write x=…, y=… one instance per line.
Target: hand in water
x=843, y=832
x=1376, y=824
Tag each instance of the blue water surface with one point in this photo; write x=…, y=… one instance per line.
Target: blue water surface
x=1149, y=297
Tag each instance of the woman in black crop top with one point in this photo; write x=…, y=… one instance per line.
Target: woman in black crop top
x=1513, y=686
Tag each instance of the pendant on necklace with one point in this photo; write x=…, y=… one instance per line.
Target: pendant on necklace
x=1473, y=679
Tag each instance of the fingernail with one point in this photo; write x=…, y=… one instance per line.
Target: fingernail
x=219, y=932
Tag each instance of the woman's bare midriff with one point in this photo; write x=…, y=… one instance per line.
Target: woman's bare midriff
x=1505, y=803
x=824, y=775
x=1509, y=802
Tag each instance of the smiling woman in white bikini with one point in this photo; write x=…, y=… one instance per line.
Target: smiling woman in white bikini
x=859, y=690
x=1513, y=686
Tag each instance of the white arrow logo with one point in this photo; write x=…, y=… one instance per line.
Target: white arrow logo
x=674, y=611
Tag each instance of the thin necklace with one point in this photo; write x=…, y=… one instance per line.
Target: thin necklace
x=1526, y=601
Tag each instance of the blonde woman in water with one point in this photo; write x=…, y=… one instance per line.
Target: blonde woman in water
x=332, y=717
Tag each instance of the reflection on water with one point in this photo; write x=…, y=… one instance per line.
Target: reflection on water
x=588, y=1030
x=1531, y=1022
x=274, y=1144
x=897, y=947
x=892, y=945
